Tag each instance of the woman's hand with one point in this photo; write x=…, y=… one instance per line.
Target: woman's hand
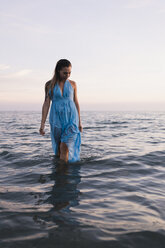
x=41, y=130
x=80, y=127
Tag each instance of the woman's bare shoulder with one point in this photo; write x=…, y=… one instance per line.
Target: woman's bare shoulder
x=47, y=84
x=73, y=83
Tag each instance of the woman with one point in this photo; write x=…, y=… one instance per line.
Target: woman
x=64, y=117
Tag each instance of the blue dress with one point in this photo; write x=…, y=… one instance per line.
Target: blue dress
x=64, y=121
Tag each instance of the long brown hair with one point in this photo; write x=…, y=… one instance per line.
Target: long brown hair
x=59, y=65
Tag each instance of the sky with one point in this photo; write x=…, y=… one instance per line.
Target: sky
x=116, y=49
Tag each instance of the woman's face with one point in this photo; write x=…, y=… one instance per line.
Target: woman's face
x=65, y=73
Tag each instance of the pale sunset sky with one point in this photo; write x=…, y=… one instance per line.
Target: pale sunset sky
x=117, y=51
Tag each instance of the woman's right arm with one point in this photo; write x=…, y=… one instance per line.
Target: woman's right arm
x=45, y=109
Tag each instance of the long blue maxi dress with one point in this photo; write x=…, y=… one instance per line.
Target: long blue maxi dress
x=64, y=121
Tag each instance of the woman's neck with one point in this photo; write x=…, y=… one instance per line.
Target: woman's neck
x=61, y=81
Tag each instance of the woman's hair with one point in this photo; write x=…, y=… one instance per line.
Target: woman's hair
x=60, y=64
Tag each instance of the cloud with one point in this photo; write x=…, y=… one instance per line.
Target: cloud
x=18, y=74
x=4, y=67
x=22, y=73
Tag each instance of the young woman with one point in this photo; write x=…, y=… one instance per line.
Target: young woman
x=64, y=116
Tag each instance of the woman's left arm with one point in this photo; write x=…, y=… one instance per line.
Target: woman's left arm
x=77, y=106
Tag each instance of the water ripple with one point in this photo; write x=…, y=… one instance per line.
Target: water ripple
x=113, y=197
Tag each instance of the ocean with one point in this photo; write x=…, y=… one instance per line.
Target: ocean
x=113, y=197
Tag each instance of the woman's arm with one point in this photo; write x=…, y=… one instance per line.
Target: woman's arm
x=77, y=106
x=45, y=110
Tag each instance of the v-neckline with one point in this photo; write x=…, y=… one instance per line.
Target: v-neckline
x=62, y=92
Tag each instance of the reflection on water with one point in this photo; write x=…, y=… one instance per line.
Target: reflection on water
x=64, y=193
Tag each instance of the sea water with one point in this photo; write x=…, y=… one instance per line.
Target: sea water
x=113, y=197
